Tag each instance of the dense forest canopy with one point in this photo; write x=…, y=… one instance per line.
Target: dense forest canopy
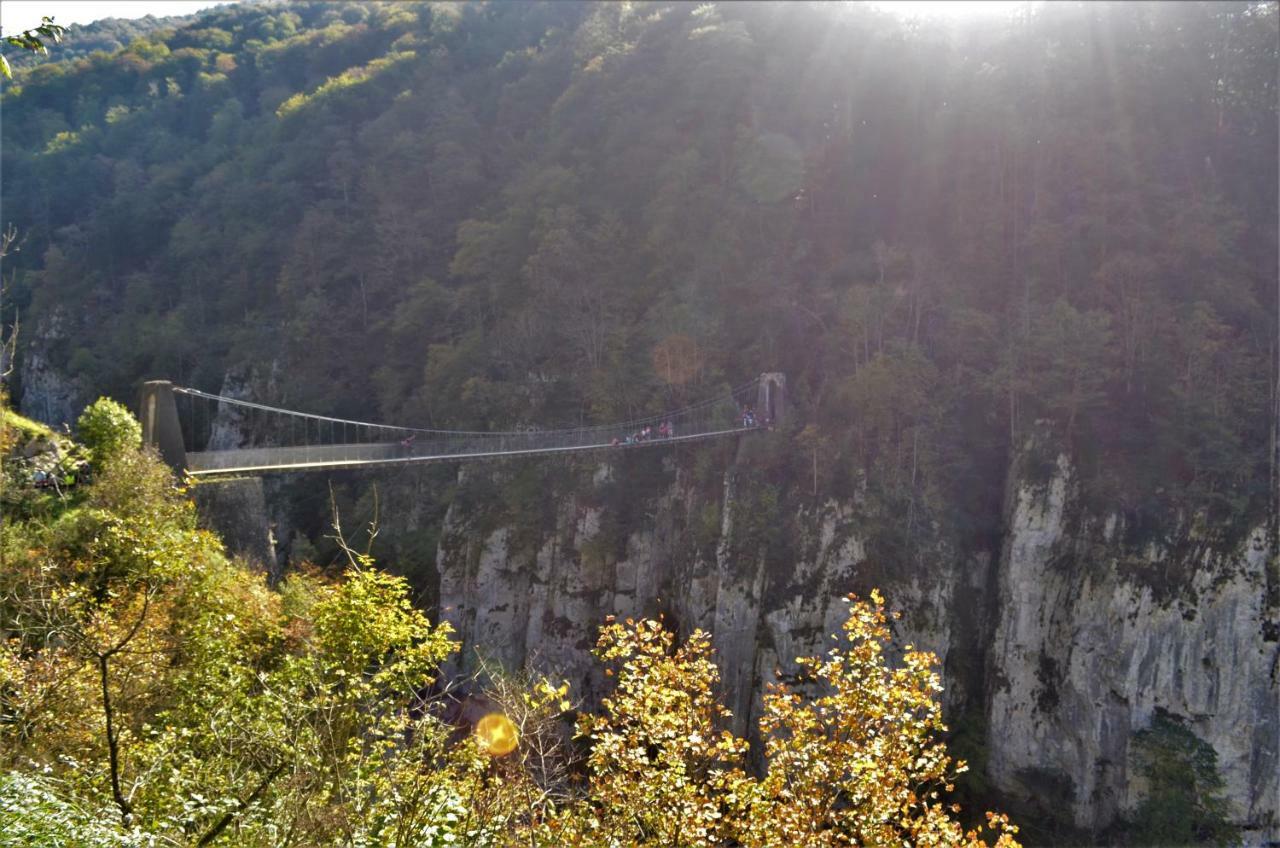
x=1061, y=225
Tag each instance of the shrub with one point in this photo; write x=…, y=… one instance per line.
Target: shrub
x=108, y=429
x=1184, y=803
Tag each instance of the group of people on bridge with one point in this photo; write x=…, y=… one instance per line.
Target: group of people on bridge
x=647, y=433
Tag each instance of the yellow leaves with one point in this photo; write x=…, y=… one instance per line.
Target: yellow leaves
x=860, y=764
x=546, y=695
x=659, y=762
x=549, y=692
x=320, y=677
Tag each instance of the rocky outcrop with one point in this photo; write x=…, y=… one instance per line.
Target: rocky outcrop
x=237, y=511
x=1087, y=639
x=232, y=426
x=229, y=427
x=1092, y=637
x=540, y=605
x=47, y=394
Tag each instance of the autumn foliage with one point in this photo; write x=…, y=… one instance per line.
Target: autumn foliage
x=856, y=762
x=155, y=692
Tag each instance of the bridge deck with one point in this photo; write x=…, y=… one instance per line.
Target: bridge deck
x=205, y=464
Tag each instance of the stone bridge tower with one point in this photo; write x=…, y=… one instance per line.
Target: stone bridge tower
x=160, y=426
x=771, y=407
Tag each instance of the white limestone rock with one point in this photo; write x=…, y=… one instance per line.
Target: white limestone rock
x=1089, y=642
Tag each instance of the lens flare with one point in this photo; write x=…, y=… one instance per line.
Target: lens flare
x=497, y=735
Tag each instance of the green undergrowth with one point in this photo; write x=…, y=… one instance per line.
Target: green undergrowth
x=31, y=450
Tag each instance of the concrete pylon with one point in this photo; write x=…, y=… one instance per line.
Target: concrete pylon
x=771, y=407
x=160, y=426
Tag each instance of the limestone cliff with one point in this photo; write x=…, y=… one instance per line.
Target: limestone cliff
x=48, y=395
x=1084, y=640
x=540, y=604
x=1066, y=638
x=1092, y=636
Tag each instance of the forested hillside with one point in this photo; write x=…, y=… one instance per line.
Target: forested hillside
x=1021, y=255
x=482, y=215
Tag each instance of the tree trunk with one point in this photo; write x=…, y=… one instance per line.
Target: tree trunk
x=113, y=745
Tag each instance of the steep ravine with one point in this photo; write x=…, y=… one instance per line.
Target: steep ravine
x=1084, y=644
x=541, y=604
x=1065, y=639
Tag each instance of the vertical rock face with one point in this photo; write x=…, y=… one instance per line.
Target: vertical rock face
x=229, y=428
x=804, y=612
x=48, y=395
x=232, y=426
x=237, y=511
x=1092, y=637
x=541, y=605
x=525, y=606
x=1088, y=639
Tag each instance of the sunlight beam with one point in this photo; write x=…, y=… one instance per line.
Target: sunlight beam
x=950, y=9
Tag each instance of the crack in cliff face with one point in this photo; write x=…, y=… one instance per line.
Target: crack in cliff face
x=770, y=589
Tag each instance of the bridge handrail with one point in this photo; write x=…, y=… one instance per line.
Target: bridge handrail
x=638, y=422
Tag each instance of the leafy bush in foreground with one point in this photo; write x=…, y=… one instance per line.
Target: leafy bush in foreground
x=153, y=692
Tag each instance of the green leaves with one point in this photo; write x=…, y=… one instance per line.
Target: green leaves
x=366, y=629
x=108, y=429
x=33, y=40
x=1184, y=801
x=156, y=683
x=212, y=687
x=583, y=182
x=35, y=810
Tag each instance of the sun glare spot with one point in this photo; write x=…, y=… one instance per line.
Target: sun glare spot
x=497, y=735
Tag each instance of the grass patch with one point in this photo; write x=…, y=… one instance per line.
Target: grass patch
x=25, y=426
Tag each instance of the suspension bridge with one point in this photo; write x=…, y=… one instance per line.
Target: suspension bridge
x=207, y=435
